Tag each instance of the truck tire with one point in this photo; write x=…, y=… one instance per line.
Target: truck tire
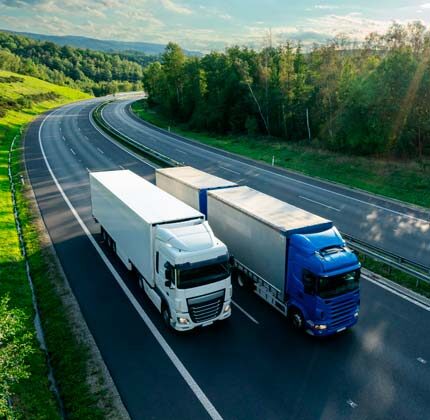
x=296, y=319
x=140, y=281
x=244, y=281
x=165, y=313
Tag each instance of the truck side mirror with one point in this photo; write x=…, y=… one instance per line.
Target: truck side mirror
x=168, y=283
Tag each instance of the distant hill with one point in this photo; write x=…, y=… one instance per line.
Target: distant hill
x=101, y=45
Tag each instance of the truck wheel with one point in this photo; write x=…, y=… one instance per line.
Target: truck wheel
x=166, y=316
x=296, y=319
x=242, y=281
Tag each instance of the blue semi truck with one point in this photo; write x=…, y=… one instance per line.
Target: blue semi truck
x=297, y=261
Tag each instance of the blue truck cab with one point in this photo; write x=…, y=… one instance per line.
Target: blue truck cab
x=323, y=282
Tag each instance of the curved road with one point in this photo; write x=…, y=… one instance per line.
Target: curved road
x=392, y=226
x=250, y=367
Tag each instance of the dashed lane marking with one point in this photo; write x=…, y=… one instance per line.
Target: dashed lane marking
x=244, y=312
x=319, y=203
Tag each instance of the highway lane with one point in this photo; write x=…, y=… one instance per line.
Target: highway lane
x=401, y=229
x=246, y=370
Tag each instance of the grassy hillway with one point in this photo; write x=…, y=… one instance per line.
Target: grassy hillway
x=407, y=181
x=24, y=387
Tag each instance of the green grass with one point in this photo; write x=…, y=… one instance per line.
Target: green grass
x=31, y=396
x=401, y=180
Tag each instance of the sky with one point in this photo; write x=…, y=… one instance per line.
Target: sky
x=210, y=25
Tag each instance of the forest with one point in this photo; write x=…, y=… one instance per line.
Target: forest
x=95, y=72
x=371, y=98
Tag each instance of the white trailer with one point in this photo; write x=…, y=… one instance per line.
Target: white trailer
x=190, y=185
x=181, y=265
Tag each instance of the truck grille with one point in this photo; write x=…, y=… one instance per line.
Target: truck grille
x=342, y=310
x=207, y=307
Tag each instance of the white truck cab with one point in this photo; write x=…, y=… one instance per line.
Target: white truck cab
x=183, y=268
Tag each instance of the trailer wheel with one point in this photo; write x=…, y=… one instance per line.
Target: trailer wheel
x=244, y=281
x=166, y=316
x=296, y=319
x=140, y=282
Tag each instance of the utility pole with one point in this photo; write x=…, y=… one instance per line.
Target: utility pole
x=307, y=123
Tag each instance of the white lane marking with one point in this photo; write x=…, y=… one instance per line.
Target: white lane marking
x=100, y=150
x=317, y=202
x=421, y=360
x=218, y=156
x=211, y=410
x=181, y=151
x=64, y=139
x=88, y=170
x=120, y=146
x=73, y=151
x=122, y=167
x=352, y=404
x=246, y=313
x=231, y=170
x=409, y=299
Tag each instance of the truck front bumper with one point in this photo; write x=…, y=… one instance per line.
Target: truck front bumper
x=183, y=321
x=312, y=330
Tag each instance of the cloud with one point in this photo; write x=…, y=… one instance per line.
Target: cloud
x=326, y=6
x=21, y=3
x=171, y=6
x=425, y=6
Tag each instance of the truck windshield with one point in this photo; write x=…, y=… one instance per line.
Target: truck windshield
x=337, y=285
x=200, y=276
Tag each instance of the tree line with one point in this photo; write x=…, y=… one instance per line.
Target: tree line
x=371, y=98
x=95, y=72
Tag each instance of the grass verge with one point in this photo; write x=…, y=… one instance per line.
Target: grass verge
x=404, y=181
x=82, y=386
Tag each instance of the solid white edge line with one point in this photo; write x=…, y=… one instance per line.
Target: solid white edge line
x=389, y=289
x=293, y=179
x=211, y=410
x=246, y=313
x=317, y=202
x=73, y=151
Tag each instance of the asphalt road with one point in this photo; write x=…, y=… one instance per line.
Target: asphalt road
x=242, y=369
x=392, y=226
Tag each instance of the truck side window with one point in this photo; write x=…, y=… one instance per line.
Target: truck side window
x=157, y=258
x=309, y=282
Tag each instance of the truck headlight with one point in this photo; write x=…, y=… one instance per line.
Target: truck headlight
x=320, y=327
x=227, y=308
x=183, y=321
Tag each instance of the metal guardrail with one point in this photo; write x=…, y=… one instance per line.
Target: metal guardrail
x=152, y=154
x=419, y=271
x=416, y=270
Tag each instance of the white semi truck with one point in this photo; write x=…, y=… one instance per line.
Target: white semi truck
x=183, y=268
x=295, y=260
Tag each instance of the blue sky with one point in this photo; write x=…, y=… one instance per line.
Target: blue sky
x=207, y=25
